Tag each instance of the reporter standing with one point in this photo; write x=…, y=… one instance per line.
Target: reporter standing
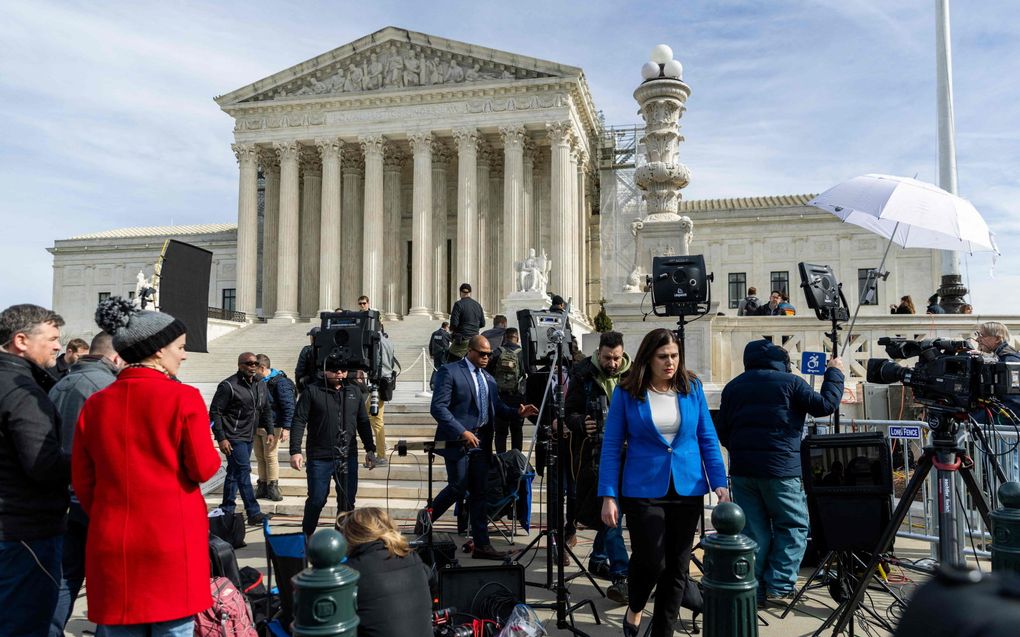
x=660, y=412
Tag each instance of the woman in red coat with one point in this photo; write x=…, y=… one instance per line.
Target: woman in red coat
x=141, y=448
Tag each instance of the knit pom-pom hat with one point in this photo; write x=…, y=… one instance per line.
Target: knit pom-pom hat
x=137, y=334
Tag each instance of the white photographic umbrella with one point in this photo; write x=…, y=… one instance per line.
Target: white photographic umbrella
x=908, y=212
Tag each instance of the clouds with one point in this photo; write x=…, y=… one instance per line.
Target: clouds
x=110, y=122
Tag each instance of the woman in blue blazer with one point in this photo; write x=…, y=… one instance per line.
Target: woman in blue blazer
x=672, y=460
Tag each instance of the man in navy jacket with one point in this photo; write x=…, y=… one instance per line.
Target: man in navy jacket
x=465, y=404
x=761, y=423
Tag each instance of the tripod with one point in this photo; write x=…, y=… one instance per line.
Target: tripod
x=555, y=523
x=947, y=456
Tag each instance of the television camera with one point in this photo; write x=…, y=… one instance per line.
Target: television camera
x=948, y=376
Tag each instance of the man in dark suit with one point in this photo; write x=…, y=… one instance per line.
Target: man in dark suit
x=465, y=404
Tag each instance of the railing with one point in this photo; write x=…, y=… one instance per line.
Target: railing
x=226, y=315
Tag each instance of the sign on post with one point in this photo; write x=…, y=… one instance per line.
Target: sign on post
x=813, y=363
x=909, y=432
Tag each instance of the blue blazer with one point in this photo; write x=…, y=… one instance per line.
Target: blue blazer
x=651, y=459
x=455, y=403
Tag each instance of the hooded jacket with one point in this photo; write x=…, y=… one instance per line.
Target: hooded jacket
x=588, y=380
x=761, y=412
x=281, y=391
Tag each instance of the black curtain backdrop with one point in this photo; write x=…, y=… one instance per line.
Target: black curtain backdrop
x=184, y=289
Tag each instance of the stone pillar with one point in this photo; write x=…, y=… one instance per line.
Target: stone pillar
x=352, y=224
x=513, y=206
x=270, y=230
x=467, y=206
x=308, y=268
x=372, y=261
x=582, y=233
x=440, y=164
x=483, y=281
x=492, y=239
x=393, y=165
x=571, y=292
x=421, y=225
x=330, y=151
x=541, y=201
x=247, y=228
x=559, y=213
x=287, y=268
x=528, y=231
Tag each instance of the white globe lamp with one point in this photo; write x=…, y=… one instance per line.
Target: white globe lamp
x=650, y=70
x=661, y=54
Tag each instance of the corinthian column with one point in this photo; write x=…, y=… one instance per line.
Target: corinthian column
x=421, y=225
x=573, y=268
x=467, y=205
x=484, y=281
x=287, y=267
x=372, y=261
x=528, y=227
x=513, y=205
x=582, y=232
x=352, y=217
x=247, y=227
x=308, y=267
x=270, y=230
x=330, y=150
x=491, y=238
x=559, y=221
x=393, y=164
x=440, y=164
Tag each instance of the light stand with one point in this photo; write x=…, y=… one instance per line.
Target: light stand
x=824, y=295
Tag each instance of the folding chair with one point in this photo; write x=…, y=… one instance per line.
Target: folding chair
x=285, y=553
x=516, y=505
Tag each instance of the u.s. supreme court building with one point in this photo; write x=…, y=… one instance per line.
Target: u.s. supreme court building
x=402, y=164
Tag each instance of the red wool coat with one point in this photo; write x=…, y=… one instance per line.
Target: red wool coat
x=141, y=448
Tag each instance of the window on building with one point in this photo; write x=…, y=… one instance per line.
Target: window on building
x=780, y=281
x=230, y=299
x=131, y=295
x=867, y=286
x=737, y=284
x=103, y=296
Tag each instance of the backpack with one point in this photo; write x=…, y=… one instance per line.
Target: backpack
x=229, y=615
x=750, y=305
x=507, y=370
x=437, y=345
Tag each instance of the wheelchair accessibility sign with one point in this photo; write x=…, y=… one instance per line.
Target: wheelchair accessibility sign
x=812, y=363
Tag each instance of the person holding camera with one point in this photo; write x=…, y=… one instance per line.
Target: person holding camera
x=331, y=411
x=761, y=423
x=591, y=386
x=673, y=458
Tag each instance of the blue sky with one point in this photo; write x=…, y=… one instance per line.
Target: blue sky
x=109, y=119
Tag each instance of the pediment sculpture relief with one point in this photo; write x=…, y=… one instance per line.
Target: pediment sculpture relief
x=396, y=66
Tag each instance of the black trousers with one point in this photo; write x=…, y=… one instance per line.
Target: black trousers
x=513, y=425
x=661, y=534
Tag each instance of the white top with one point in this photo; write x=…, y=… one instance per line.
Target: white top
x=665, y=412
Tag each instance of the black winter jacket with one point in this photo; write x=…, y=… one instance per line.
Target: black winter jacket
x=239, y=407
x=305, y=373
x=319, y=410
x=393, y=593
x=34, y=474
x=466, y=318
x=281, y=391
x=761, y=413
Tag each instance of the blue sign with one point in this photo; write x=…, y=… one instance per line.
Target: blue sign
x=813, y=363
x=908, y=432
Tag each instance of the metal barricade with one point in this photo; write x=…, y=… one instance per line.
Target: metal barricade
x=921, y=521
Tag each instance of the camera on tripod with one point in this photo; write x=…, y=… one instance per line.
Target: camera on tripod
x=680, y=285
x=947, y=375
x=352, y=341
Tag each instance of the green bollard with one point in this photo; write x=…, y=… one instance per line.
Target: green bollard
x=1006, y=529
x=730, y=586
x=326, y=593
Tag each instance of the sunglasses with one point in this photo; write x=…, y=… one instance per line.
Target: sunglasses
x=249, y=363
x=482, y=352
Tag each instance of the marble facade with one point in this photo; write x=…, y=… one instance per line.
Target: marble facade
x=403, y=164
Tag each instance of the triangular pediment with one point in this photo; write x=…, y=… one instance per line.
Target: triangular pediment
x=396, y=60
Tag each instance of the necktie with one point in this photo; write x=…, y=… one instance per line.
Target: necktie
x=483, y=398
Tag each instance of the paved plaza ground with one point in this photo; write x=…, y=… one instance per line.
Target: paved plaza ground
x=804, y=620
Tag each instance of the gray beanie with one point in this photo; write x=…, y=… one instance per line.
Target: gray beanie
x=137, y=334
